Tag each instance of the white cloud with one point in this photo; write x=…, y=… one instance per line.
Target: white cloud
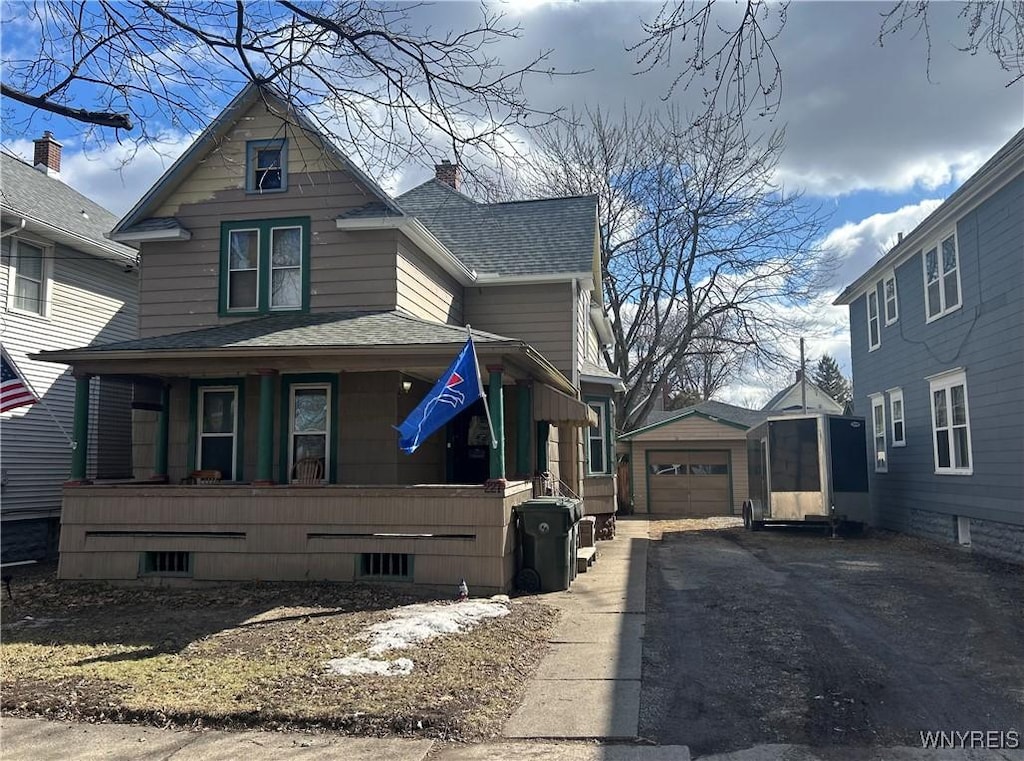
x=119, y=176
x=858, y=245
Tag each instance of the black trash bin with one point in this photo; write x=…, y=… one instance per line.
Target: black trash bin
x=547, y=528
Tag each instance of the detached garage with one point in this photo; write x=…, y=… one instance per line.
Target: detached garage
x=691, y=462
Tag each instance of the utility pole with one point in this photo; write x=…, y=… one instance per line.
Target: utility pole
x=803, y=378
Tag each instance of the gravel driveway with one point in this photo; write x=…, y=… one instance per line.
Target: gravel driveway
x=783, y=636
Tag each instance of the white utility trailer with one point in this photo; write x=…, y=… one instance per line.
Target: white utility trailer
x=810, y=467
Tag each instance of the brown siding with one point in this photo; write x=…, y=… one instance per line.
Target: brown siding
x=691, y=434
x=272, y=528
x=424, y=289
x=541, y=315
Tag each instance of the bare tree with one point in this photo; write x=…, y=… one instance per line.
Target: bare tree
x=702, y=252
x=373, y=77
x=727, y=49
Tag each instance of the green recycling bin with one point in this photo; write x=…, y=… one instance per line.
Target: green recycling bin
x=548, y=541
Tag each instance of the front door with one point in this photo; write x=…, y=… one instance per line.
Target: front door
x=469, y=446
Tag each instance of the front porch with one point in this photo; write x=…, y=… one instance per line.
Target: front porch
x=423, y=534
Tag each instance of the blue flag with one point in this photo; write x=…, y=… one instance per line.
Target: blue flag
x=457, y=389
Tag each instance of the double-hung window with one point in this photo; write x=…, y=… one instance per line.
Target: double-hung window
x=951, y=423
x=874, y=333
x=597, y=441
x=266, y=161
x=264, y=266
x=28, y=281
x=892, y=309
x=878, y=433
x=309, y=431
x=217, y=435
x=899, y=431
x=941, y=278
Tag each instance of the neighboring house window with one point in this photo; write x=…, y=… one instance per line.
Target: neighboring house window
x=878, y=427
x=899, y=432
x=892, y=310
x=951, y=423
x=942, y=278
x=265, y=163
x=309, y=431
x=597, y=449
x=217, y=439
x=874, y=335
x=29, y=278
x=264, y=266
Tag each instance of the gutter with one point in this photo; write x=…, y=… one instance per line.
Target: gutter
x=418, y=234
x=16, y=229
x=603, y=325
x=89, y=245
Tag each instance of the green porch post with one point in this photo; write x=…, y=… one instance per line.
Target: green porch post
x=523, y=428
x=162, y=434
x=496, y=402
x=80, y=453
x=265, y=447
x=543, y=428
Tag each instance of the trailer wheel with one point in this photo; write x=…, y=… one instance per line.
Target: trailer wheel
x=748, y=518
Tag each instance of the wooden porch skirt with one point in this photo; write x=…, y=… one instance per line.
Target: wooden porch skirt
x=288, y=533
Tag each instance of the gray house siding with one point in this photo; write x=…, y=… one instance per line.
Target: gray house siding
x=985, y=337
x=92, y=301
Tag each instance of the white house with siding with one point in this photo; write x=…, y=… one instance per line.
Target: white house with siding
x=62, y=284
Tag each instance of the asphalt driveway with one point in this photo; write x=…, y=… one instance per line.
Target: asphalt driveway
x=783, y=636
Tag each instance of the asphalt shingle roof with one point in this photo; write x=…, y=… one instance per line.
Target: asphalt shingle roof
x=334, y=329
x=589, y=368
x=546, y=236
x=730, y=412
x=28, y=191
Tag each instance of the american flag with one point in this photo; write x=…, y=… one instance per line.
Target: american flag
x=14, y=389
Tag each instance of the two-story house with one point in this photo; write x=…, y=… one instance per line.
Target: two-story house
x=937, y=342
x=62, y=284
x=291, y=313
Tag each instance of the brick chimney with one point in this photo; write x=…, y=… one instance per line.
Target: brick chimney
x=47, y=155
x=448, y=173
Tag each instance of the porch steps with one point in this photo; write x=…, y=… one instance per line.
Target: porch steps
x=585, y=557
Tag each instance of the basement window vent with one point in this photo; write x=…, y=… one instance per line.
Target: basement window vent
x=167, y=563
x=385, y=565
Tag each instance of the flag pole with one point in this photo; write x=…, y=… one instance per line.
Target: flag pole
x=480, y=383
x=39, y=399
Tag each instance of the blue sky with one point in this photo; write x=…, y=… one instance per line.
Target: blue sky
x=870, y=134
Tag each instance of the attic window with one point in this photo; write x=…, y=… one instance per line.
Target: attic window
x=265, y=162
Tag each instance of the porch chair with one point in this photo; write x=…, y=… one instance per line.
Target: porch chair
x=202, y=477
x=308, y=470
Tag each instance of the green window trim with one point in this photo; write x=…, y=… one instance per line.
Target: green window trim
x=609, y=446
x=264, y=227
x=193, y=421
x=297, y=379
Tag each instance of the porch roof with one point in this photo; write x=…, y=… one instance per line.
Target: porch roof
x=396, y=338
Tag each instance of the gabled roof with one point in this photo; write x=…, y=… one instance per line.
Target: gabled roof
x=57, y=210
x=770, y=404
x=217, y=129
x=296, y=331
x=520, y=238
x=741, y=418
x=1007, y=163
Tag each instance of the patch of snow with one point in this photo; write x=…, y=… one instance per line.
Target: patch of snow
x=410, y=625
x=413, y=624
x=357, y=665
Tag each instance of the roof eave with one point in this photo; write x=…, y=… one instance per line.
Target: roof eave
x=493, y=278
x=995, y=174
x=152, y=236
x=418, y=234
x=99, y=249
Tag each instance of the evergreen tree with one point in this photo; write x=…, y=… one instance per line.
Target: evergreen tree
x=830, y=379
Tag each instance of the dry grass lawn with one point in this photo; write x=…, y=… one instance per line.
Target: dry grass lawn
x=253, y=655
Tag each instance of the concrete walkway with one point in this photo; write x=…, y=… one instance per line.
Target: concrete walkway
x=588, y=685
